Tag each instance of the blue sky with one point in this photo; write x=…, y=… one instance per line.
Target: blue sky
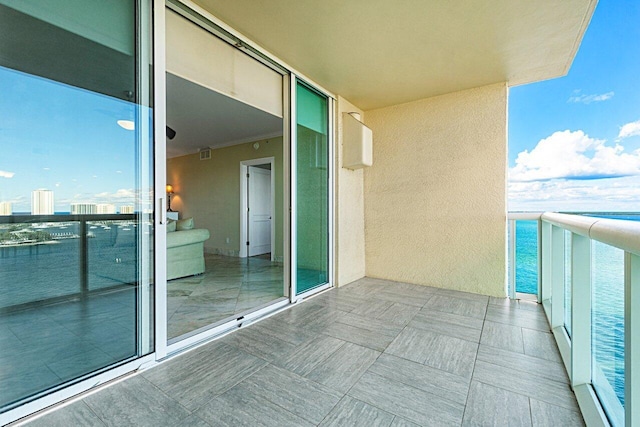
x=574, y=141
x=65, y=139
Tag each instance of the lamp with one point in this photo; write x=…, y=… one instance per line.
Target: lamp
x=169, y=193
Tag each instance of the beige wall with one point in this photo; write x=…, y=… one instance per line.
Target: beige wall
x=349, y=256
x=435, y=204
x=209, y=191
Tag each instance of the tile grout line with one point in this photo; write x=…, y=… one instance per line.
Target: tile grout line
x=475, y=360
x=368, y=369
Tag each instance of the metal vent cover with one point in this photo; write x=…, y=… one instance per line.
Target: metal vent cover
x=205, y=154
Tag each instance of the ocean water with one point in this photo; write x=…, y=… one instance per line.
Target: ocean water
x=607, y=303
x=30, y=273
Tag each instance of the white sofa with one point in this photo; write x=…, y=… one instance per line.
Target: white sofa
x=185, y=250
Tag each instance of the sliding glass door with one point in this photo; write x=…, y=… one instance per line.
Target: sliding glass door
x=312, y=189
x=75, y=193
x=225, y=164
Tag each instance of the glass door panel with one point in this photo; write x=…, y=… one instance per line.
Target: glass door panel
x=75, y=194
x=312, y=189
x=231, y=193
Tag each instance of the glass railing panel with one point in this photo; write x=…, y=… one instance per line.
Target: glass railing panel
x=607, y=329
x=31, y=254
x=567, y=281
x=526, y=257
x=65, y=308
x=112, y=251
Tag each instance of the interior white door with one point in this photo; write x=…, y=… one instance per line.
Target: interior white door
x=259, y=208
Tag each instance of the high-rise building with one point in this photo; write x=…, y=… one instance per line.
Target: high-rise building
x=42, y=202
x=83, y=208
x=5, y=209
x=126, y=209
x=106, y=208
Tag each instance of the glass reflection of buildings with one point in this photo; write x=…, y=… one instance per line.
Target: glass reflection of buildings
x=6, y=208
x=42, y=202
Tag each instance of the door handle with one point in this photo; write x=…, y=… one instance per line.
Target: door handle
x=163, y=210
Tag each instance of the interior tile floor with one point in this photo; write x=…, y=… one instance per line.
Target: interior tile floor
x=229, y=286
x=373, y=353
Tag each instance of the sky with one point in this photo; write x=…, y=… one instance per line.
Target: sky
x=574, y=141
x=70, y=144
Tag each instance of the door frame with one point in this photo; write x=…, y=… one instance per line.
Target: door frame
x=244, y=214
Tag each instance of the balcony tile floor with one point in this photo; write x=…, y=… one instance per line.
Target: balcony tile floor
x=373, y=353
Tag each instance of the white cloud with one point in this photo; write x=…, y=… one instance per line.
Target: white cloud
x=611, y=195
x=5, y=174
x=630, y=129
x=118, y=195
x=588, y=99
x=574, y=155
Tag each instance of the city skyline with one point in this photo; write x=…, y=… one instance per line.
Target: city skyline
x=42, y=203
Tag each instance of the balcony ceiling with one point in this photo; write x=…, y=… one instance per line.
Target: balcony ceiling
x=378, y=53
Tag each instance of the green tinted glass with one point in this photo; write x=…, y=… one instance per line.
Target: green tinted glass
x=312, y=180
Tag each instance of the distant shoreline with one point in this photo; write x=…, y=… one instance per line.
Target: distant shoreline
x=19, y=245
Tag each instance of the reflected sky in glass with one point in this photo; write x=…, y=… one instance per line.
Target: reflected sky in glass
x=66, y=139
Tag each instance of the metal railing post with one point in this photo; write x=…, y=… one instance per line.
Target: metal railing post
x=545, y=261
x=580, y=310
x=84, y=258
x=557, y=277
x=632, y=338
x=539, y=239
x=512, y=259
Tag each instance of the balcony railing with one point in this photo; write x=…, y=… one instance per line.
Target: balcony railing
x=589, y=284
x=49, y=258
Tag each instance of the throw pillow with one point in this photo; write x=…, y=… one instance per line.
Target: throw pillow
x=171, y=226
x=184, y=224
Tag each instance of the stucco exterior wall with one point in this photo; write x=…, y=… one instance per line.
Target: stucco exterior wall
x=349, y=256
x=209, y=191
x=435, y=199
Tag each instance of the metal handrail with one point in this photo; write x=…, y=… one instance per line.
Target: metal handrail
x=31, y=219
x=620, y=233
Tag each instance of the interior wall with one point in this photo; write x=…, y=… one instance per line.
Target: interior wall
x=209, y=191
x=435, y=197
x=349, y=259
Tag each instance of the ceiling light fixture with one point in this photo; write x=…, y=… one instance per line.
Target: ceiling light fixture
x=127, y=124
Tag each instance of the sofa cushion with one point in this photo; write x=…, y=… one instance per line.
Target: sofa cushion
x=184, y=224
x=187, y=237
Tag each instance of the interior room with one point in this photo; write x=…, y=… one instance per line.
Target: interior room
x=225, y=169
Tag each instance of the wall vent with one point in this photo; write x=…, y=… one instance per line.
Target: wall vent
x=205, y=154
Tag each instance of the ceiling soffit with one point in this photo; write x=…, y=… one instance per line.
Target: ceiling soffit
x=377, y=53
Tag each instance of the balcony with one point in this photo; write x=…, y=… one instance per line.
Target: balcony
x=586, y=276
x=374, y=352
